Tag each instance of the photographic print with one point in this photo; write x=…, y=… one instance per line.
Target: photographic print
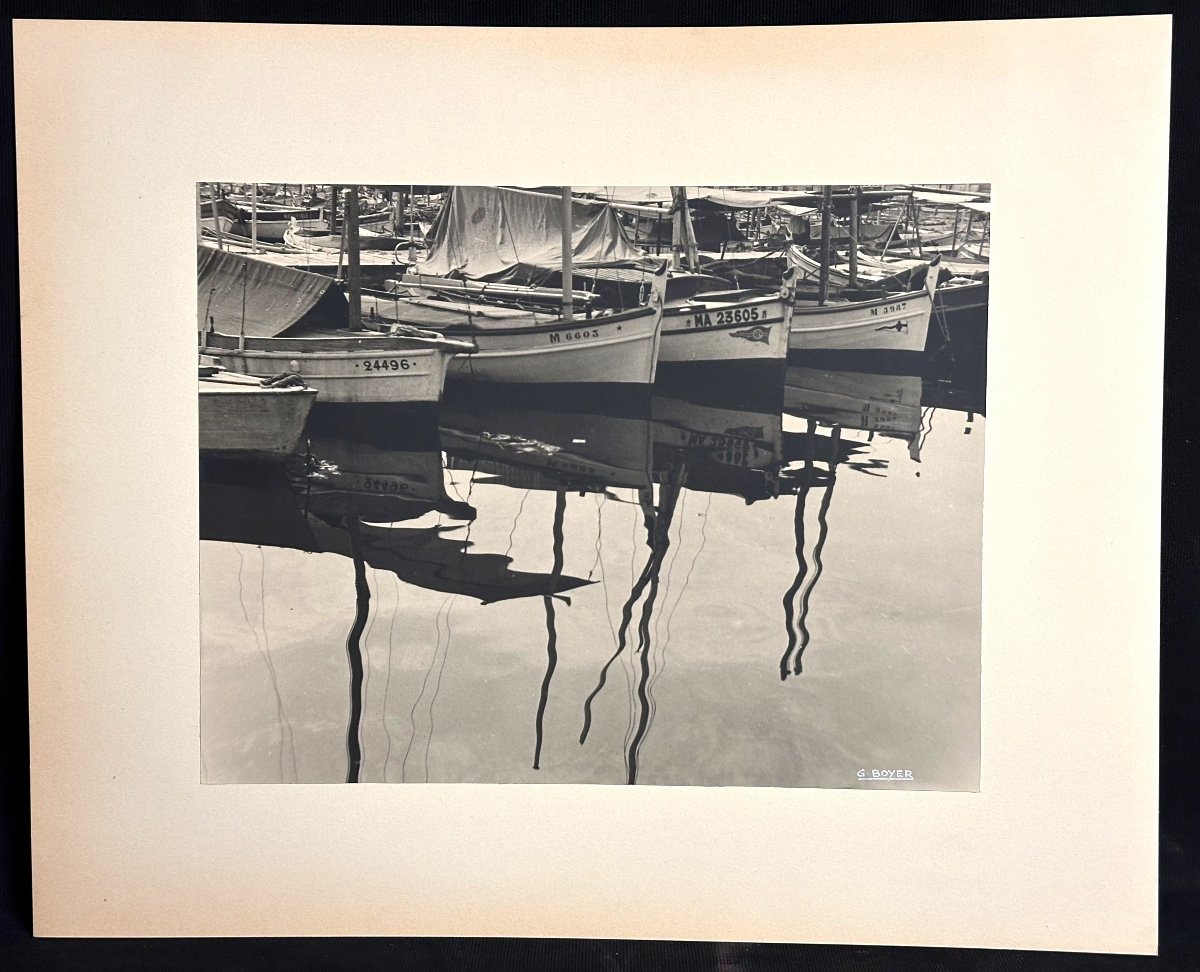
x=592, y=484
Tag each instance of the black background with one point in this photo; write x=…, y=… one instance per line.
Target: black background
x=1179, y=871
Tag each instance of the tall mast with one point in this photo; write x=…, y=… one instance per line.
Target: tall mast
x=826, y=232
x=568, y=252
x=354, y=286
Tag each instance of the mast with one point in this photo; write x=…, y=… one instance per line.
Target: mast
x=568, y=252
x=354, y=284
x=254, y=217
x=854, y=230
x=826, y=231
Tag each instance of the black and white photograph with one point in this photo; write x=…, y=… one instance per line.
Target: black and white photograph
x=667, y=485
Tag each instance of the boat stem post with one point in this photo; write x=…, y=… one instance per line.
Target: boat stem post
x=854, y=229
x=826, y=232
x=689, y=230
x=353, y=281
x=568, y=252
x=254, y=217
x=334, y=191
x=215, y=193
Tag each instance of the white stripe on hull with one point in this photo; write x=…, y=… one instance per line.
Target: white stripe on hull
x=350, y=376
x=595, y=351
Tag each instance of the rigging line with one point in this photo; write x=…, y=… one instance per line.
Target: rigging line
x=412, y=713
x=622, y=635
x=387, y=682
x=437, y=686
x=789, y=597
x=822, y=534
x=512, y=532
x=683, y=590
x=262, y=620
x=600, y=501
x=675, y=557
x=258, y=645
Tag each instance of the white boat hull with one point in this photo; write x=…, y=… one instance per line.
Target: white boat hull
x=749, y=330
x=620, y=349
x=898, y=322
x=368, y=375
x=273, y=230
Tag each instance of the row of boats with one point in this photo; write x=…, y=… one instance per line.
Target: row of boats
x=529, y=287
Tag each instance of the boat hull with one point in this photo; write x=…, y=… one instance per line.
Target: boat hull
x=898, y=323
x=618, y=350
x=745, y=331
x=373, y=373
x=241, y=419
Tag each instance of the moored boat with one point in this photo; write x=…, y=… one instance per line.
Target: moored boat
x=725, y=326
x=896, y=322
x=523, y=346
x=346, y=367
x=240, y=414
x=263, y=320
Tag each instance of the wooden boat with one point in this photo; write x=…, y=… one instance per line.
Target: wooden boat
x=958, y=293
x=344, y=367
x=514, y=344
x=896, y=322
x=263, y=320
x=517, y=336
x=240, y=414
x=724, y=326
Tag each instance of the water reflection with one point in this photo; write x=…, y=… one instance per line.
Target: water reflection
x=448, y=504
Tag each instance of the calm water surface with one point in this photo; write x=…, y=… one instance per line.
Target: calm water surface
x=773, y=585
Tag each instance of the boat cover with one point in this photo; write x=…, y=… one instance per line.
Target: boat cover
x=949, y=198
x=485, y=232
x=244, y=295
x=703, y=197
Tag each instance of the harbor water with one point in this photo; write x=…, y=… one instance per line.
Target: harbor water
x=774, y=582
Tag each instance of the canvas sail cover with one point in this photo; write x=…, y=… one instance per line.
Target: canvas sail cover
x=239, y=294
x=487, y=232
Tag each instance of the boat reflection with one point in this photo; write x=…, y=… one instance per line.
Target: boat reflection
x=369, y=473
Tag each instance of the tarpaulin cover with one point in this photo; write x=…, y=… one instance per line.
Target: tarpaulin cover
x=245, y=295
x=796, y=210
x=979, y=207
x=716, y=197
x=485, y=232
x=948, y=198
